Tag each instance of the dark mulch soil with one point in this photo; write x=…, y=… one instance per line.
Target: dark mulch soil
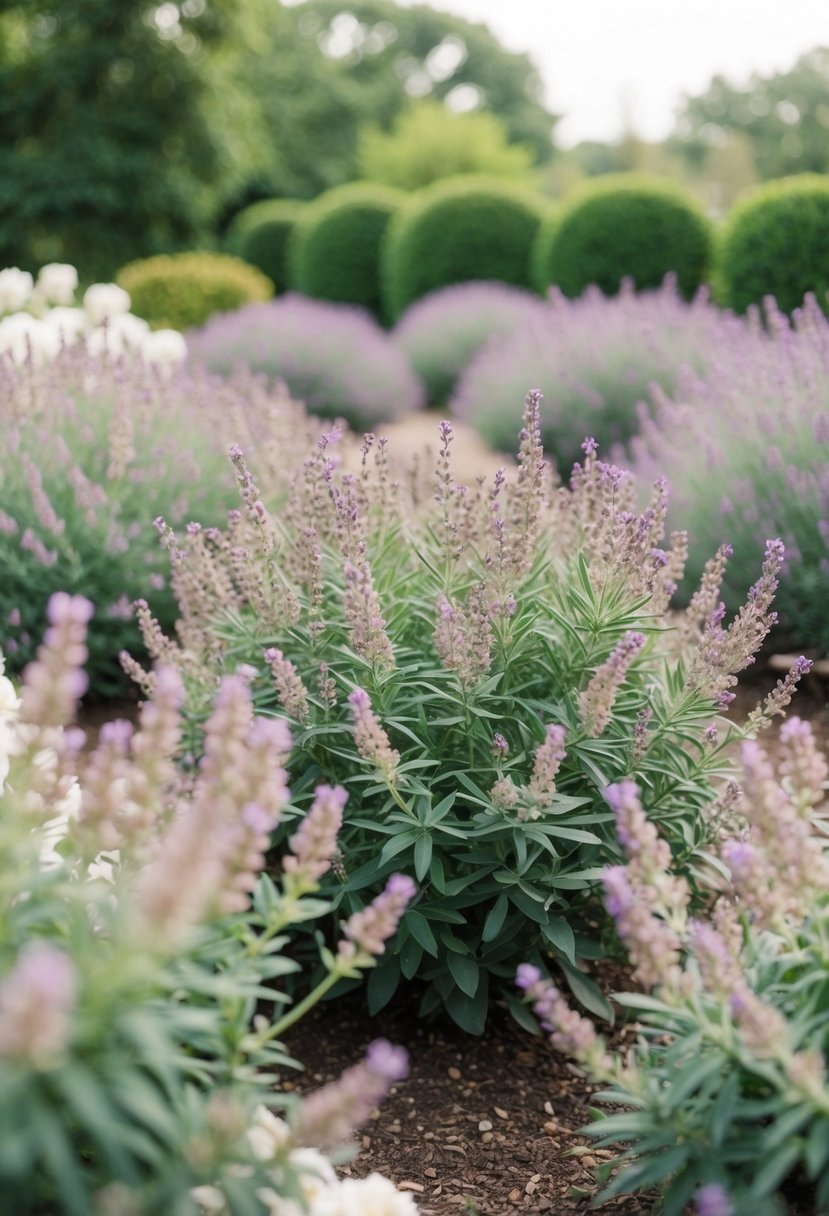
x=484, y=1125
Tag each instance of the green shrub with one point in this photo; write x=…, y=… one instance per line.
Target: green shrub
x=181, y=290
x=335, y=248
x=136, y=1056
x=776, y=242
x=459, y=230
x=623, y=226
x=475, y=665
x=260, y=235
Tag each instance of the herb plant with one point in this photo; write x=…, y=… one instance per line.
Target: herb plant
x=475, y=665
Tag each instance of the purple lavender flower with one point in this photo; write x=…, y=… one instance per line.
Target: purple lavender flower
x=712, y=1200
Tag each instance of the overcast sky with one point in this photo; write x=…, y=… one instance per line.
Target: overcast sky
x=603, y=59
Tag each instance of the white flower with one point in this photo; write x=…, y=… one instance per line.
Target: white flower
x=267, y=1135
x=372, y=1196
x=69, y=323
x=209, y=1198
x=15, y=289
x=57, y=283
x=165, y=347
x=105, y=300
x=316, y=1179
x=106, y=341
x=133, y=331
x=23, y=336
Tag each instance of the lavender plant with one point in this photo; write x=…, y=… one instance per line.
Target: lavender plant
x=333, y=357
x=95, y=449
x=441, y=333
x=745, y=451
x=595, y=359
x=724, y=1099
x=140, y=943
x=475, y=664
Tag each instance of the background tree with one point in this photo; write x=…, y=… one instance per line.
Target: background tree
x=105, y=153
x=784, y=117
x=317, y=73
x=428, y=141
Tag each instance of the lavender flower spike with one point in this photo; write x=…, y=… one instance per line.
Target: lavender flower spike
x=368, y=930
x=596, y=701
x=330, y=1115
x=315, y=842
x=372, y=741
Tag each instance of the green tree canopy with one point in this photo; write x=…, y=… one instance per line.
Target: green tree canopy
x=318, y=72
x=429, y=141
x=784, y=117
x=105, y=153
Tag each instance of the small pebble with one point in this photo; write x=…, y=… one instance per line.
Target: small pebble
x=485, y=1126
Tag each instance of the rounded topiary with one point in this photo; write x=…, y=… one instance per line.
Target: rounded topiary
x=458, y=230
x=182, y=290
x=623, y=226
x=776, y=242
x=334, y=252
x=259, y=234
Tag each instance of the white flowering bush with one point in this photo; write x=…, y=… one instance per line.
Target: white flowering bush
x=140, y=946
x=725, y=1098
x=38, y=318
x=475, y=664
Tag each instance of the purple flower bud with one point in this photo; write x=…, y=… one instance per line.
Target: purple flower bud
x=389, y=1062
x=527, y=976
x=712, y=1200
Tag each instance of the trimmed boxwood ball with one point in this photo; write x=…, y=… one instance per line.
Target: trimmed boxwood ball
x=623, y=226
x=259, y=234
x=182, y=290
x=455, y=231
x=776, y=242
x=334, y=251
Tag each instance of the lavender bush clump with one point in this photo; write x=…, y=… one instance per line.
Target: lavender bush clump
x=139, y=944
x=746, y=451
x=94, y=450
x=441, y=333
x=724, y=1098
x=595, y=359
x=333, y=357
x=474, y=664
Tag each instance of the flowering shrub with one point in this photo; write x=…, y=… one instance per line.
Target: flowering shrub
x=135, y=1071
x=93, y=451
x=725, y=1096
x=41, y=319
x=475, y=665
x=184, y=289
x=745, y=452
x=594, y=358
x=332, y=357
x=441, y=333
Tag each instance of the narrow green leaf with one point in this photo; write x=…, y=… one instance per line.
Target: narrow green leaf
x=422, y=856
x=495, y=918
x=421, y=931
x=464, y=971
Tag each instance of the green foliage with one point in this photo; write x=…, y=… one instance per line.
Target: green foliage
x=105, y=154
x=776, y=242
x=455, y=231
x=783, y=117
x=623, y=226
x=294, y=87
x=260, y=234
x=140, y=1017
x=183, y=290
x=335, y=247
x=724, y=1096
x=482, y=625
x=429, y=141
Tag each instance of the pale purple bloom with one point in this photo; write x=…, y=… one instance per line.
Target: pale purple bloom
x=368, y=930
x=712, y=1200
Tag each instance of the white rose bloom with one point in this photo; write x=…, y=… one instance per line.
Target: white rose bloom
x=165, y=348
x=69, y=323
x=23, y=336
x=268, y=1134
x=105, y=300
x=372, y=1196
x=57, y=283
x=15, y=289
x=132, y=330
x=106, y=341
